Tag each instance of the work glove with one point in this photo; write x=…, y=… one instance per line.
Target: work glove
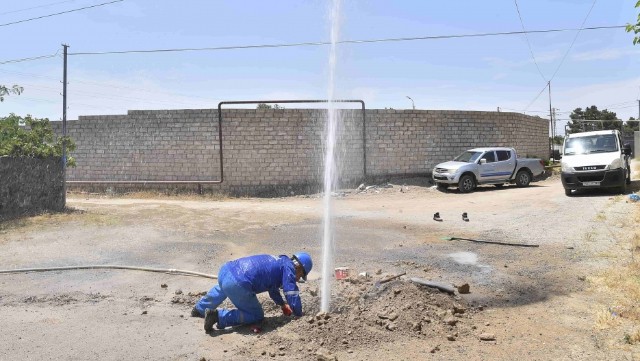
x=286, y=310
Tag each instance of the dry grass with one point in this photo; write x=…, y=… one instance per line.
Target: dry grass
x=621, y=284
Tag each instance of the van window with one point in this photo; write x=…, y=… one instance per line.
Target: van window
x=503, y=155
x=601, y=143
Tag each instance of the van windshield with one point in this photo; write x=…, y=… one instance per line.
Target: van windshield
x=602, y=143
x=468, y=157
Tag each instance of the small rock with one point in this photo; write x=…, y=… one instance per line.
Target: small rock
x=487, y=337
x=144, y=312
x=272, y=354
x=324, y=355
x=281, y=348
x=396, y=292
x=379, y=271
x=464, y=289
x=391, y=326
x=458, y=309
x=164, y=285
x=570, y=247
x=263, y=353
x=416, y=326
x=393, y=316
x=451, y=337
x=435, y=349
x=310, y=319
x=451, y=321
x=582, y=278
x=344, y=341
x=178, y=292
x=203, y=359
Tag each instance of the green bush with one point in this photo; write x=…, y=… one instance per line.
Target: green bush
x=32, y=137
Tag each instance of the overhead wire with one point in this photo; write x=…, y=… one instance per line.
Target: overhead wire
x=362, y=41
x=36, y=7
x=574, y=40
x=565, y=54
x=60, y=13
x=528, y=42
x=29, y=59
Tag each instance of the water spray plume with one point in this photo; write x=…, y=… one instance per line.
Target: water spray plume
x=330, y=168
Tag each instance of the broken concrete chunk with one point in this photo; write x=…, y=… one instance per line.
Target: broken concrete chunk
x=487, y=337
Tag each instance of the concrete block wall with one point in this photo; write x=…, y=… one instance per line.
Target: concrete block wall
x=414, y=141
x=29, y=186
x=270, y=148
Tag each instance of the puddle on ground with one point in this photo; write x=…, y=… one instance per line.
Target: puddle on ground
x=464, y=257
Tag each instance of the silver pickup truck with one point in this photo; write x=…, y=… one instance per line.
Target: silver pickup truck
x=495, y=166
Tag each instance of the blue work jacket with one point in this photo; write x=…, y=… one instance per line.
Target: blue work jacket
x=269, y=273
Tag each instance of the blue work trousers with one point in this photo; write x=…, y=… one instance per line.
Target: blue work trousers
x=248, y=309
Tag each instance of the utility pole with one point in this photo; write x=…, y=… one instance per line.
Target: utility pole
x=550, y=121
x=64, y=125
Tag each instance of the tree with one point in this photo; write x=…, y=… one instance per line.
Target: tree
x=603, y=119
x=631, y=125
x=35, y=139
x=6, y=91
x=635, y=28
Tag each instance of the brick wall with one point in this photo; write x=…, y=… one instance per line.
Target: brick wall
x=266, y=149
x=29, y=186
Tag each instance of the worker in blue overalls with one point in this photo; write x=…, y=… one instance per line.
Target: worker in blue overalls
x=242, y=279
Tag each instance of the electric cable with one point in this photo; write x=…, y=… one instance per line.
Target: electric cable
x=60, y=13
x=528, y=42
x=37, y=7
x=28, y=59
x=574, y=40
x=148, y=269
x=364, y=41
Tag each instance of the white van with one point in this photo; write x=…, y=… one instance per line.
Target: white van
x=595, y=160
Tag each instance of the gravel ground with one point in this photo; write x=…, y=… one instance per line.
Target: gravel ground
x=533, y=303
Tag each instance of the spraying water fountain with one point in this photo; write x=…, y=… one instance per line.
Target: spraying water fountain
x=330, y=167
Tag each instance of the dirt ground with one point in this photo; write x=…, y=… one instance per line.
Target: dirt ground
x=528, y=303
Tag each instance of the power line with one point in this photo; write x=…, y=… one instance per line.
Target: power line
x=574, y=40
x=528, y=43
x=536, y=98
x=60, y=13
x=37, y=7
x=319, y=43
x=29, y=59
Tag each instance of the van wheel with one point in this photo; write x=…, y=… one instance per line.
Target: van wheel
x=466, y=183
x=567, y=192
x=523, y=178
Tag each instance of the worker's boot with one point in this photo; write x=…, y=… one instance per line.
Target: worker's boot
x=195, y=313
x=210, y=319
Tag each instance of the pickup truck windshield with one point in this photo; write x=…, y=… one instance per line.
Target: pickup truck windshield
x=603, y=143
x=468, y=157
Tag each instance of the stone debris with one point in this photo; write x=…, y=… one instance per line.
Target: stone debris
x=487, y=337
x=164, y=285
x=464, y=289
x=362, y=316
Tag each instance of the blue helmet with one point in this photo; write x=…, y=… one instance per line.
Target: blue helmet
x=304, y=259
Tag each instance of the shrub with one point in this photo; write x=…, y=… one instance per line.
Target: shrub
x=32, y=137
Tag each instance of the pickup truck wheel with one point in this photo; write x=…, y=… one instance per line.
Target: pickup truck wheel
x=466, y=184
x=567, y=192
x=523, y=178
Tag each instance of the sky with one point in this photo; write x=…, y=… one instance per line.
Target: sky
x=589, y=67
